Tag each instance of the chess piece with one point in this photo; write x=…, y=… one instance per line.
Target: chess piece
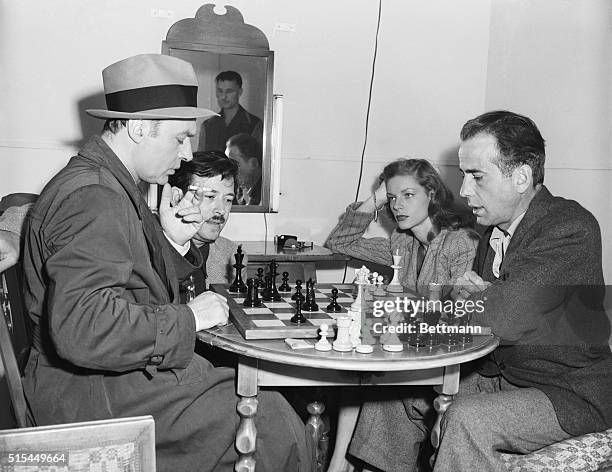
x=355, y=328
x=285, y=287
x=298, y=318
x=360, y=281
x=273, y=274
x=390, y=340
x=367, y=337
x=310, y=304
x=266, y=293
x=369, y=287
x=323, y=344
x=395, y=286
x=380, y=291
x=238, y=285
x=298, y=291
x=343, y=340
x=260, y=279
x=252, y=299
x=334, y=306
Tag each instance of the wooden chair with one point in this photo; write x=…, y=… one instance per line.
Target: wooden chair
x=114, y=444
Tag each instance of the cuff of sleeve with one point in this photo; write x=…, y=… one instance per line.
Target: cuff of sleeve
x=182, y=250
x=195, y=318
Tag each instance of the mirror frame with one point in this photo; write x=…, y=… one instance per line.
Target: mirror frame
x=228, y=34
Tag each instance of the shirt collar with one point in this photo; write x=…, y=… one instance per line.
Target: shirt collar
x=499, y=233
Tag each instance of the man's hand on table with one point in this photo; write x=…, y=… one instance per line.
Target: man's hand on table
x=210, y=309
x=468, y=284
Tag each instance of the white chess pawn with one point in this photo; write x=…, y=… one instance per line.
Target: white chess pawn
x=380, y=291
x=323, y=344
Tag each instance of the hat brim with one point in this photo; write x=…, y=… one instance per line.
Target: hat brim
x=175, y=113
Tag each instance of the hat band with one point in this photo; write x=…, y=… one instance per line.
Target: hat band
x=151, y=98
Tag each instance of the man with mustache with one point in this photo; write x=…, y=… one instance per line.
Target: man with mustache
x=216, y=175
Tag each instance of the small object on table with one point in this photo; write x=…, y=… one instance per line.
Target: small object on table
x=394, y=285
x=343, y=340
x=380, y=291
x=298, y=292
x=323, y=344
x=252, y=299
x=285, y=287
x=298, y=343
x=310, y=304
x=334, y=306
x=298, y=317
x=238, y=285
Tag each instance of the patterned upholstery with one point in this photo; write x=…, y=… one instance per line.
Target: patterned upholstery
x=116, y=445
x=589, y=453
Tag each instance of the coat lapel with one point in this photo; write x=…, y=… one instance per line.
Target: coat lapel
x=98, y=150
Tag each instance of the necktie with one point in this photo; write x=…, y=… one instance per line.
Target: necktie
x=497, y=243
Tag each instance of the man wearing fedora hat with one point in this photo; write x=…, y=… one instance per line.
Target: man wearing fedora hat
x=110, y=337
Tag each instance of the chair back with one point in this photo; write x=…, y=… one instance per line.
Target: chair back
x=11, y=370
x=116, y=444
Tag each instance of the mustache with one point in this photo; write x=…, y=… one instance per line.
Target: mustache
x=216, y=220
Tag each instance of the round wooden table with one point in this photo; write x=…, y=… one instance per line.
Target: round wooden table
x=274, y=363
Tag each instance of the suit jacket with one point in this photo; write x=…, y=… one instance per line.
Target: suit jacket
x=214, y=134
x=547, y=308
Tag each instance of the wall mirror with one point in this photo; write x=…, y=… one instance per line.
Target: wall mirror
x=235, y=70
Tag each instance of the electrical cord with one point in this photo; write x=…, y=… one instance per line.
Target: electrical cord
x=367, y=118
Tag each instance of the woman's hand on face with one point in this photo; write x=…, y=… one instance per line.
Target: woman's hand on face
x=380, y=195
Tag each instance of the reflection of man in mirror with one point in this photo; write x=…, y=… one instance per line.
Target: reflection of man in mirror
x=234, y=118
x=246, y=150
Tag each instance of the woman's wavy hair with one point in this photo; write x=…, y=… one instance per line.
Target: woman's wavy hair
x=443, y=210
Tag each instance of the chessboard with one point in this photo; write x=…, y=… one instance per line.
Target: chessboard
x=272, y=319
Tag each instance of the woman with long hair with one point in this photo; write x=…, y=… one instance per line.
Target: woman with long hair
x=437, y=243
x=435, y=239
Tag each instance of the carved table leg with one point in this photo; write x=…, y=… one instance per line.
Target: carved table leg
x=450, y=387
x=247, y=409
x=246, y=435
x=318, y=430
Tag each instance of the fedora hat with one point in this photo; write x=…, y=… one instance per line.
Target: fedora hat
x=151, y=87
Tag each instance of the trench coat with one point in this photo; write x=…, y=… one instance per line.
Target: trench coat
x=111, y=340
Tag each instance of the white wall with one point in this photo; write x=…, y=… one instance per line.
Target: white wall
x=439, y=63
x=551, y=60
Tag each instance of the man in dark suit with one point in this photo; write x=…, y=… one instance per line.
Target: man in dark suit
x=538, y=271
